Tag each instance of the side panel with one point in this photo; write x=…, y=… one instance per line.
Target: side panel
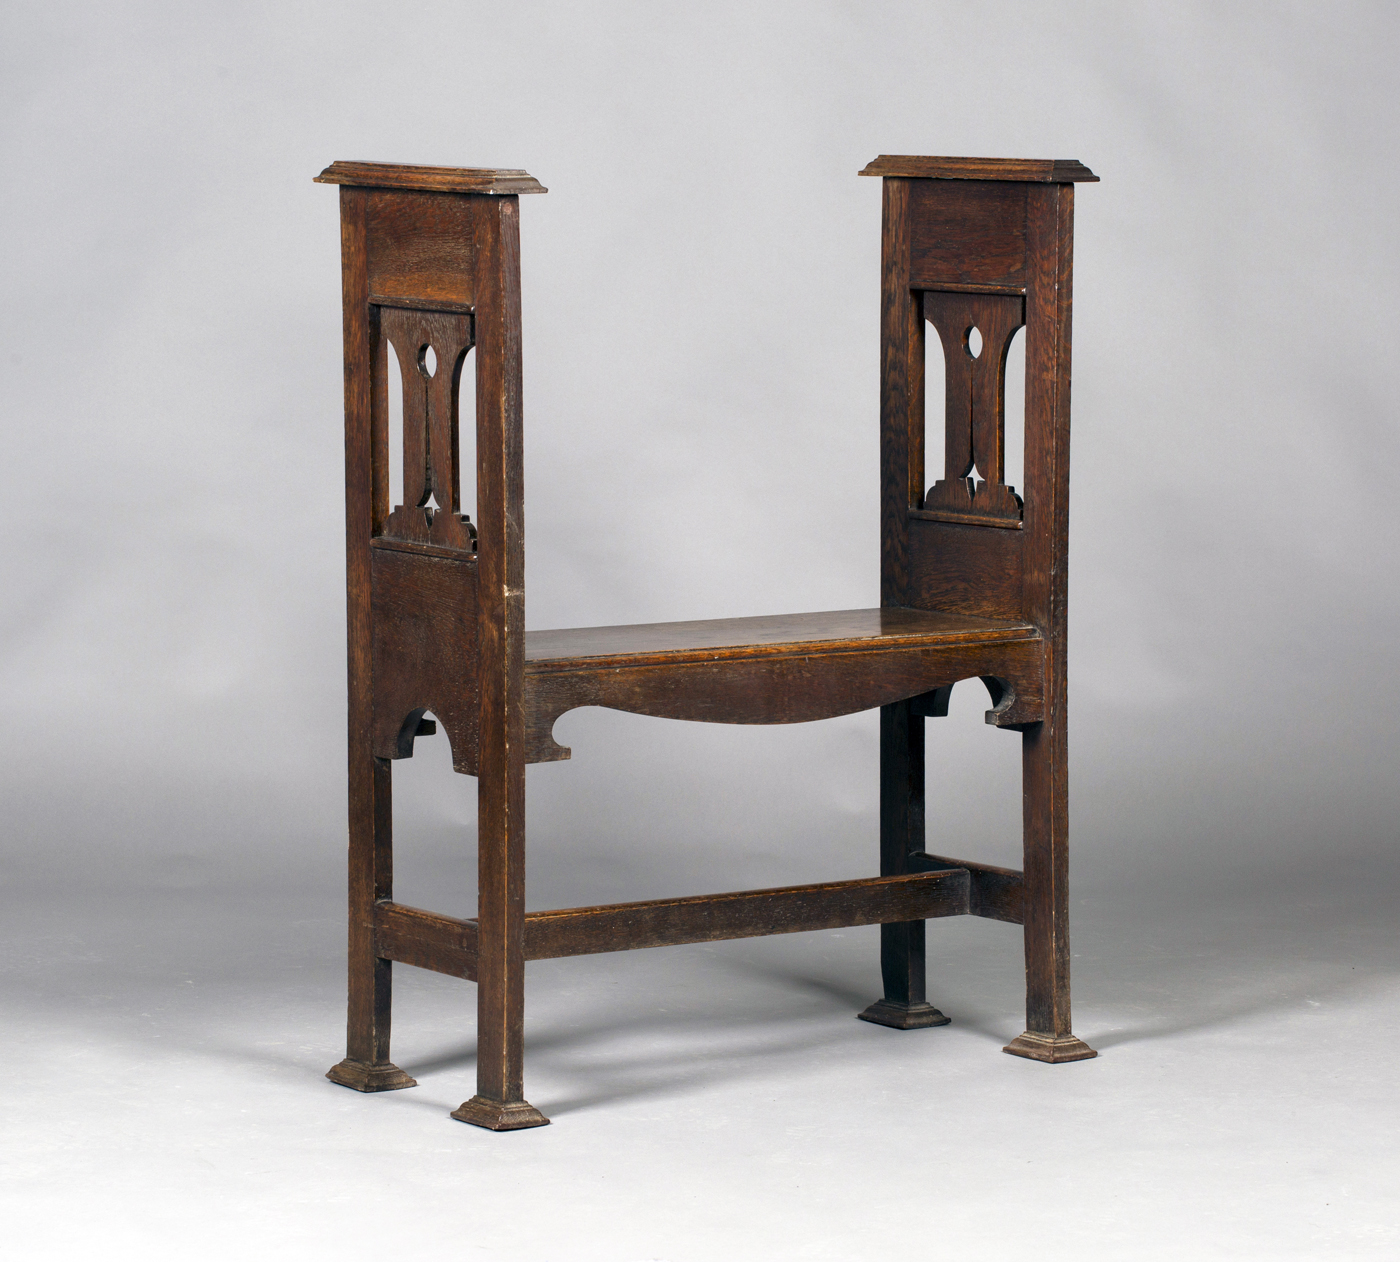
x=962, y=237
x=967, y=233
x=425, y=651
x=966, y=569
x=420, y=249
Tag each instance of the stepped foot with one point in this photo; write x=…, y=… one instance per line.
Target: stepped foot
x=903, y=1016
x=1050, y=1048
x=496, y=1116
x=361, y=1077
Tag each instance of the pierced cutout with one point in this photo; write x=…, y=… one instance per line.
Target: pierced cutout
x=1013, y=463
x=430, y=510
x=935, y=408
x=433, y=807
x=394, y=392
x=464, y=437
x=973, y=487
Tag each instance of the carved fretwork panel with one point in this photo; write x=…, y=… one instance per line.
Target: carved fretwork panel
x=976, y=404
x=431, y=507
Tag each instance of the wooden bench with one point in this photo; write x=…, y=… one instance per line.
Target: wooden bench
x=973, y=585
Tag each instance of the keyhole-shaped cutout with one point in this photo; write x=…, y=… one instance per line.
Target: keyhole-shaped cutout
x=972, y=339
x=427, y=361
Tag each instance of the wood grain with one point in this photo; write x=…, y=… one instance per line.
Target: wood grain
x=446, y=944
x=783, y=680
x=780, y=635
x=500, y=483
x=366, y=1066
x=430, y=505
x=967, y=234
x=973, y=583
x=966, y=567
x=904, y=1004
x=425, y=650
x=974, y=413
x=973, y=232
x=744, y=914
x=994, y=893
x=1045, y=754
x=442, y=944
x=420, y=250
x=901, y=396
x=1040, y=171
x=484, y=180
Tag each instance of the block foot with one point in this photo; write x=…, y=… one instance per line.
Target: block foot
x=903, y=1016
x=1050, y=1048
x=496, y=1116
x=361, y=1077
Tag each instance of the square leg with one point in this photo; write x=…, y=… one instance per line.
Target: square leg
x=499, y=1103
x=901, y=833
x=366, y=1066
x=1048, y=1036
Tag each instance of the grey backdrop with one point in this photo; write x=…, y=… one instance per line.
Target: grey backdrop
x=701, y=336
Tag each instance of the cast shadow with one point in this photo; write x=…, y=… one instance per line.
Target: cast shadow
x=717, y=1042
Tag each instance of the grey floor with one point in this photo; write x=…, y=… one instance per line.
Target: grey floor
x=164, y=1096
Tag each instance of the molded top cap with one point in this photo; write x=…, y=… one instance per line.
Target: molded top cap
x=1036, y=171
x=430, y=179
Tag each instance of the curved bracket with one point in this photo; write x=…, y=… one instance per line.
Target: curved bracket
x=1005, y=712
x=1008, y=710
x=414, y=725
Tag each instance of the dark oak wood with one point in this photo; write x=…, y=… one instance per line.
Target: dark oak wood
x=366, y=1066
x=901, y=397
x=1045, y=756
x=425, y=650
x=971, y=242
x=730, y=639
x=956, y=565
x=791, y=668
x=973, y=584
x=967, y=237
x=431, y=259
x=499, y=1101
x=485, y=180
x=1040, y=171
x=431, y=511
x=904, y=1005
x=995, y=893
x=446, y=944
x=975, y=438
x=421, y=251
x=744, y=914
x=443, y=944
